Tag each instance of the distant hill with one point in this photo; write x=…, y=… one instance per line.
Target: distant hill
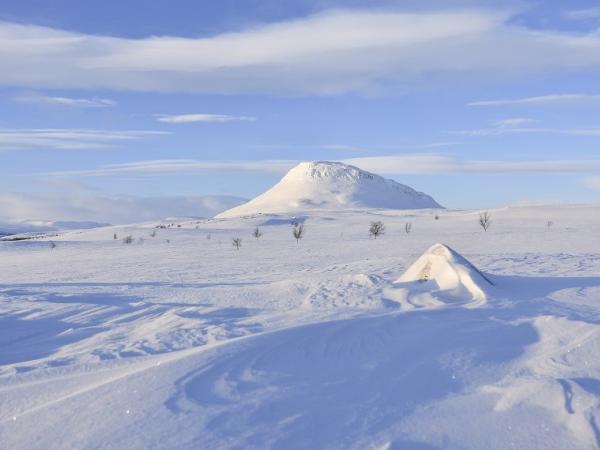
x=332, y=185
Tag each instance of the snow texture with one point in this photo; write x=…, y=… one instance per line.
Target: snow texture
x=340, y=341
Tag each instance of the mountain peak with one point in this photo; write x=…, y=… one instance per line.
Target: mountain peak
x=327, y=170
x=332, y=185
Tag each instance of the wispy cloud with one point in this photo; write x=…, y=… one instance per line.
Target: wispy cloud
x=501, y=130
x=440, y=164
x=93, y=102
x=191, y=118
x=175, y=166
x=327, y=53
x=583, y=14
x=513, y=122
x=403, y=164
x=67, y=139
x=540, y=100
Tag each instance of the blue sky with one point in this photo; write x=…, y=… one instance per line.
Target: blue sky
x=477, y=105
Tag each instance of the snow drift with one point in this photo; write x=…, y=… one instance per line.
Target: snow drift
x=442, y=274
x=332, y=185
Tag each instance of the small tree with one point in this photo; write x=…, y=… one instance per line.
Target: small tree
x=408, y=227
x=257, y=233
x=485, y=220
x=237, y=243
x=128, y=239
x=298, y=232
x=115, y=237
x=52, y=245
x=376, y=229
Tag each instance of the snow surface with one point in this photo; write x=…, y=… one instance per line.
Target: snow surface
x=319, y=185
x=192, y=344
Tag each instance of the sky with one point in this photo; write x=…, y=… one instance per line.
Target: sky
x=120, y=111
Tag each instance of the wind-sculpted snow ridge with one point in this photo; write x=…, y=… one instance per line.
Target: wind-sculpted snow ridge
x=439, y=276
x=332, y=185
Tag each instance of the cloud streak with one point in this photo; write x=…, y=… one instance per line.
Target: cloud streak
x=433, y=164
x=555, y=99
x=583, y=14
x=176, y=166
x=67, y=139
x=328, y=53
x=499, y=130
x=93, y=102
x=194, y=118
x=404, y=164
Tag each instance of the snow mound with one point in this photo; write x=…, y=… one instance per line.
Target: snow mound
x=442, y=274
x=332, y=185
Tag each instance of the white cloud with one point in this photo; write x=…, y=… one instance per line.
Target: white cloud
x=327, y=53
x=191, y=118
x=439, y=164
x=67, y=139
x=514, y=122
x=514, y=126
x=583, y=14
x=540, y=100
x=403, y=164
x=18, y=207
x=174, y=166
x=93, y=102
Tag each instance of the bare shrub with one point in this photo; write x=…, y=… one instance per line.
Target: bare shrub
x=376, y=229
x=257, y=233
x=298, y=231
x=237, y=242
x=408, y=227
x=436, y=217
x=485, y=220
x=128, y=239
x=153, y=234
x=115, y=237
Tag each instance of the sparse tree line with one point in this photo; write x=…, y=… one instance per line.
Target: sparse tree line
x=376, y=229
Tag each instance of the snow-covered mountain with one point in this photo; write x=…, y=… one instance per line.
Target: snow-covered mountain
x=332, y=185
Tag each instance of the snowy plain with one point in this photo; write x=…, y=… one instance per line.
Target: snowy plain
x=193, y=344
